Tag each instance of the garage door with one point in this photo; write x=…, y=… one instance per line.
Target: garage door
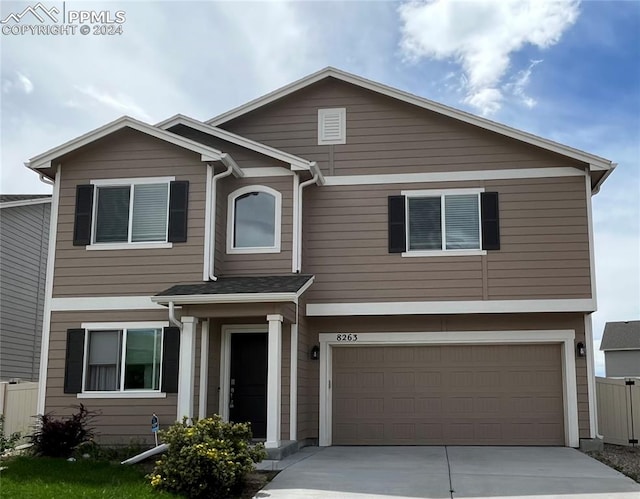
x=436, y=395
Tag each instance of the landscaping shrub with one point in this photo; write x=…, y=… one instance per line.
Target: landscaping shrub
x=59, y=437
x=209, y=459
x=7, y=442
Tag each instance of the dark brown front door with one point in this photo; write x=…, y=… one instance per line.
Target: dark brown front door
x=248, y=390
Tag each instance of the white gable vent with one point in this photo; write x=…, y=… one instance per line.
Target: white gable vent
x=332, y=126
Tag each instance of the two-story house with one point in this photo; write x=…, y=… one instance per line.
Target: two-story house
x=337, y=261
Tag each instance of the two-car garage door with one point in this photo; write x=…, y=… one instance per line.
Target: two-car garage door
x=435, y=395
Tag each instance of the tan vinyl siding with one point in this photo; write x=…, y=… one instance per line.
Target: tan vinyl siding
x=544, y=246
x=119, y=420
x=245, y=158
x=285, y=382
x=255, y=263
x=384, y=135
x=308, y=379
x=128, y=154
x=468, y=322
x=213, y=392
x=544, y=249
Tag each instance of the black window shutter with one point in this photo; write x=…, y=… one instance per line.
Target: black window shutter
x=74, y=361
x=490, y=221
x=178, y=201
x=397, y=225
x=170, y=359
x=84, y=212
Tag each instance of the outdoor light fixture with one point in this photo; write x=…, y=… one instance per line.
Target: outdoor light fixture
x=315, y=352
x=580, y=351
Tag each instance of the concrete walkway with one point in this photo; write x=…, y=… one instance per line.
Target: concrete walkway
x=446, y=472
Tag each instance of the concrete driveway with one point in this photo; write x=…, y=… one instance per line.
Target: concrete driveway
x=447, y=472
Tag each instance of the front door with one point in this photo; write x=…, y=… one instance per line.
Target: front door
x=248, y=381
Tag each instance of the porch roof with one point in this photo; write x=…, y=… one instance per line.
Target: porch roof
x=246, y=289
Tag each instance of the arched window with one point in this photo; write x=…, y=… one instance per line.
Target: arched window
x=253, y=220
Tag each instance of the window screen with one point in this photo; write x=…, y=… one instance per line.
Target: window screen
x=462, y=222
x=104, y=361
x=150, y=203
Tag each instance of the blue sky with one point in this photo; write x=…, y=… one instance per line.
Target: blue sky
x=568, y=71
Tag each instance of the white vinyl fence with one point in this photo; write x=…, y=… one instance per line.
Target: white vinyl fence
x=619, y=410
x=18, y=403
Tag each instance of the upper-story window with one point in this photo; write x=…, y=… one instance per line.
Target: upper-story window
x=443, y=222
x=253, y=220
x=131, y=213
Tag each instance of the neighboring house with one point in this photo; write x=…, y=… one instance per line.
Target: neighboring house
x=337, y=262
x=621, y=346
x=24, y=237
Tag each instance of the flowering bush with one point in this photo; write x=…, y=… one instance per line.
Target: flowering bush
x=208, y=459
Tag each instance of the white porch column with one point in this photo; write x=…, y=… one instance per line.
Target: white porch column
x=186, y=367
x=274, y=374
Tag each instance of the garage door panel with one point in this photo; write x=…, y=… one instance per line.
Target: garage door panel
x=465, y=395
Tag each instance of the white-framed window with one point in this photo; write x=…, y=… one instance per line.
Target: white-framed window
x=443, y=222
x=130, y=213
x=122, y=358
x=253, y=220
x=332, y=126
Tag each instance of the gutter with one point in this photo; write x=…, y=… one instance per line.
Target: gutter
x=596, y=188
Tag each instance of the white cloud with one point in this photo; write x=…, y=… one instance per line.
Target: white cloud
x=120, y=102
x=20, y=82
x=27, y=86
x=482, y=36
x=518, y=84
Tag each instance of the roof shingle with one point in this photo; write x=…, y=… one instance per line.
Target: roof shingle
x=238, y=285
x=621, y=336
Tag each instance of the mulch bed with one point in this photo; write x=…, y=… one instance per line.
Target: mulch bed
x=624, y=459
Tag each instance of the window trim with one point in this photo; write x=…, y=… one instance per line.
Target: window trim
x=124, y=327
x=231, y=206
x=441, y=193
x=131, y=182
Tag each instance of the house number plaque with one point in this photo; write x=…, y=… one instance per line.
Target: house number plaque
x=347, y=337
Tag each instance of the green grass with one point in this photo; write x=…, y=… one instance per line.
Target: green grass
x=46, y=478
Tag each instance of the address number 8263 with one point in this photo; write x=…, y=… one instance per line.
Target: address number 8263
x=347, y=337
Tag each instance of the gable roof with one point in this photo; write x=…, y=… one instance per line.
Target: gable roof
x=43, y=161
x=595, y=162
x=11, y=200
x=296, y=162
x=621, y=336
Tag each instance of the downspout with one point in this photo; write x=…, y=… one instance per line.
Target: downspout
x=172, y=316
x=212, y=221
x=312, y=180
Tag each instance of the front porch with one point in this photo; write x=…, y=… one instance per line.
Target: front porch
x=238, y=354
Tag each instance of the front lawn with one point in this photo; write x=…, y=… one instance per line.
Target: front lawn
x=46, y=478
